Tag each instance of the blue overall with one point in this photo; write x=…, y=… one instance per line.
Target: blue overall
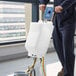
x=63, y=34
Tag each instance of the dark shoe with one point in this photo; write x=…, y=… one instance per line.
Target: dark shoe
x=61, y=73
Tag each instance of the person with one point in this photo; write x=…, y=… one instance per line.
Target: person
x=63, y=33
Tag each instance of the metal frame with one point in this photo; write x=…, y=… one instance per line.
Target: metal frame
x=28, y=1
x=35, y=15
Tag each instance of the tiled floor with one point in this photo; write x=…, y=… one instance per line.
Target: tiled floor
x=8, y=68
x=51, y=60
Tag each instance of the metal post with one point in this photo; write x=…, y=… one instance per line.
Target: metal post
x=35, y=12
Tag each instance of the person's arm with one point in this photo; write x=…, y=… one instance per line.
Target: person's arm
x=43, y=1
x=42, y=5
x=67, y=4
x=64, y=5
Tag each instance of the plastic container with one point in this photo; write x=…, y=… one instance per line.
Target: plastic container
x=38, y=38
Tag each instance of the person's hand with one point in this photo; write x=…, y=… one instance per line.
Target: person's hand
x=58, y=9
x=42, y=7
